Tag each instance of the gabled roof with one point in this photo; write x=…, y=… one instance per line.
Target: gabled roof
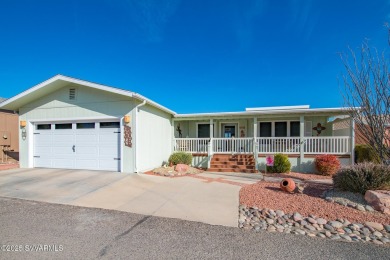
x=60, y=81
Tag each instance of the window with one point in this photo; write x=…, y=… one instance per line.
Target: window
x=280, y=129
x=63, y=126
x=85, y=125
x=294, y=128
x=44, y=127
x=109, y=125
x=266, y=129
x=203, y=130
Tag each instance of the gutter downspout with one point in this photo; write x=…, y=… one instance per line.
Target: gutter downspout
x=136, y=134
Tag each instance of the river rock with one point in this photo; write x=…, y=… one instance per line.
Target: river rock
x=387, y=227
x=181, y=168
x=279, y=213
x=328, y=227
x=379, y=200
x=297, y=216
x=321, y=221
x=335, y=224
x=374, y=225
x=377, y=234
x=360, y=207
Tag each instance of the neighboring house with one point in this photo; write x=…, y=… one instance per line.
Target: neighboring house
x=75, y=124
x=342, y=125
x=9, y=134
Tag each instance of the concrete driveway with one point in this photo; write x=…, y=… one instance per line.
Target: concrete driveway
x=204, y=199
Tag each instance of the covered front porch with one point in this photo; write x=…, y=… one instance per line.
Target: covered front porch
x=299, y=133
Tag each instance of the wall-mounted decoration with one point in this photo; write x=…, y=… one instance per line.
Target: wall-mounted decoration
x=319, y=128
x=242, y=131
x=178, y=129
x=127, y=136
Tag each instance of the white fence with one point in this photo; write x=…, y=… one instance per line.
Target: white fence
x=232, y=145
x=286, y=145
x=327, y=145
x=192, y=145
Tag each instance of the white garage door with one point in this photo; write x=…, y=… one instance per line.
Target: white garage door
x=81, y=145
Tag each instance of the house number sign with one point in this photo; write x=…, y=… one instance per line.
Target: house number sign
x=127, y=136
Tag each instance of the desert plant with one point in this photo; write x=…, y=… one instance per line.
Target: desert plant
x=327, y=164
x=364, y=153
x=281, y=164
x=180, y=157
x=362, y=177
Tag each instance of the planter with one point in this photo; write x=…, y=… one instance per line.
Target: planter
x=287, y=185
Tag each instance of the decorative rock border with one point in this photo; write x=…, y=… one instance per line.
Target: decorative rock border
x=328, y=196
x=340, y=229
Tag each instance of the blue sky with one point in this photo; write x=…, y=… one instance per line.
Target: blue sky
x=194, y=55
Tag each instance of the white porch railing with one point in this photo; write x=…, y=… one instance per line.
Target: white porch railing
x=285, y=145
x=232, y=145
x=191, y=145
x=327, y=145
x=266, y=145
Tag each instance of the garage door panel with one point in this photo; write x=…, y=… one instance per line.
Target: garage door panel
x=63, y=150
x=107, y=165
x=43, y=162
x=108, y=137
x=89, y=164
x=87, y=150
x=63, y=163
x=95, y=149
x=43, y=150
x=86, y=138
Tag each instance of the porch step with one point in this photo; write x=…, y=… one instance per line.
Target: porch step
x=230, y=170
x=232, y=163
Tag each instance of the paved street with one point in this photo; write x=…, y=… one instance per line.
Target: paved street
x=87, y=233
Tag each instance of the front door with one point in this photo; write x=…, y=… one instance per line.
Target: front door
x=229, y=131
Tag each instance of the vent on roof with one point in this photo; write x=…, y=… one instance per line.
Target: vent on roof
x=72, y=94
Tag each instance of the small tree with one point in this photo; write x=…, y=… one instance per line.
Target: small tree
x=367, y=96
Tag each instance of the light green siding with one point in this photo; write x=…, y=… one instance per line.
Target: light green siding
x=154, y=138
x=89, y=103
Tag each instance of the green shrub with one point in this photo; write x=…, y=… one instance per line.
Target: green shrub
x=362, y=177
x=281, y=164
x=327, y=164
x=364, y=153
x=180, y=157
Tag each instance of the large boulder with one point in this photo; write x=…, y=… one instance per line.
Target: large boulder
x=182, y=168
x=379, y=200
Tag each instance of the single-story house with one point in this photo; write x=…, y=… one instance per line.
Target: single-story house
x=9, y=136
x=75, y=124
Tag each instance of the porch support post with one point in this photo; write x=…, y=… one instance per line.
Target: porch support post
x=302, y=141
x=173, y=135
x=210, y=146
x=352, y=141
x=255, y=145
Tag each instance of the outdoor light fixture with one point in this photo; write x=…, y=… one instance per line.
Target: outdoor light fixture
x=126, y=119
x=23, y=123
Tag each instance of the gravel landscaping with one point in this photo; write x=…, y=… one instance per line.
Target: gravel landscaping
x=342, y=215
x=269, y=195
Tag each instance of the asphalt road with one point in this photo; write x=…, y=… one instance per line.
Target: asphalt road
x=89, y=233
